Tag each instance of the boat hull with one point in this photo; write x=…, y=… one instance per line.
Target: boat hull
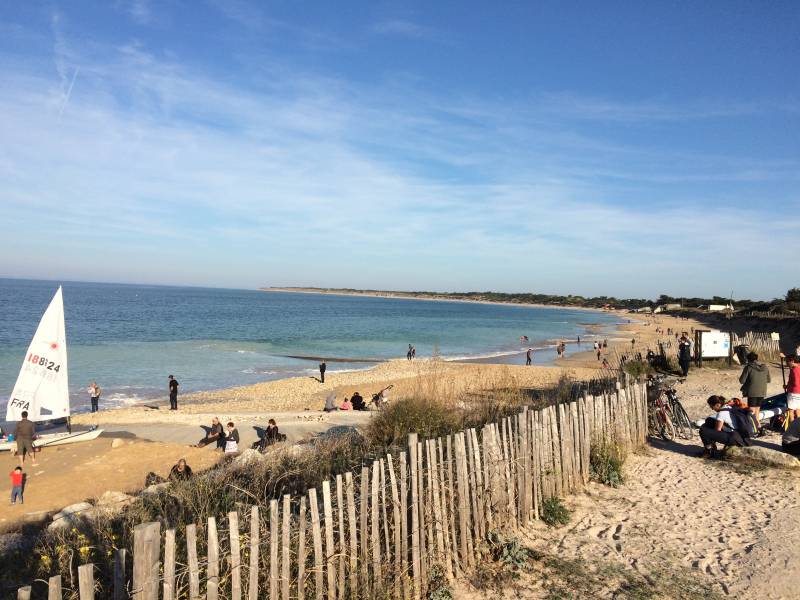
x=56, y=439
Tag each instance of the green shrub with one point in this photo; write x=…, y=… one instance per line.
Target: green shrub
x=428, y=417
x=554, y=513
x=605, y=464
x=638, y=369
x=438, y=588
x=502, y=559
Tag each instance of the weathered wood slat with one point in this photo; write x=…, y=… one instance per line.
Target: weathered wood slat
x=330, y=549
x=146, y=551
x=415, y=532
x=286, y=551
x=352, y=528
x=255, y=532
x=86, y=582
x=236, y=556
x=54, y=588
x=212, y=569
x=169, y=565
x=120, y=579
x=319, y=557
x=274, y=543
x=191, y=556
x=301, y=550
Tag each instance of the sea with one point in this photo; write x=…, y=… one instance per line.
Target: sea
x=129, y=338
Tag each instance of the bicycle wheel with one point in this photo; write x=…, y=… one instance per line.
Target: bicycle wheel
x=653, y=428
x=665, y=425
x=683, y=424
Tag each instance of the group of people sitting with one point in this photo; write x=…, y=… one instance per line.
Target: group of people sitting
x=227, y=439
x=736, y=422
x=356, y=402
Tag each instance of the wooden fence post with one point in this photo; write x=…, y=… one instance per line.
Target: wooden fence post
x=236, y=560
x=120, y=581
x=24, y=593
x=301, y=551
x=286, y=556
x=375, y=538
x=146, y=551
x=330, y=550
x=255, y=532
x=86, y=582
x=352, y=528
x=319, y=564
x=212, y=572
x=273, y=549
x=415, y=550
x=169, y=565
x=342, y=542
x=194, y=565
x=54, y=588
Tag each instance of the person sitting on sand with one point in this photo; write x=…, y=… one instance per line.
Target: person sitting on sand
x=358, y=402
x=719, y=428
x=346, y=405
x=232, y=439
x=330, y=403
x=271, y=433
x=215, y=434
x=180, y=471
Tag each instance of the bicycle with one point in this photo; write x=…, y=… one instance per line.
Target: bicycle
x=666, y=415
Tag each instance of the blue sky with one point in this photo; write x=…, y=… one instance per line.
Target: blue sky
x=621, y=148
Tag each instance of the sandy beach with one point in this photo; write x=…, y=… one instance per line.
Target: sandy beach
x=155, y=437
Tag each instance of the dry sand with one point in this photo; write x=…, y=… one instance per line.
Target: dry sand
x=678, y=522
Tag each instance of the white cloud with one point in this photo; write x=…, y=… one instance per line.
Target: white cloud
x=309, y=180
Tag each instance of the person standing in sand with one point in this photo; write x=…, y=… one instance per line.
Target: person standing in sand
x=322, y=368
x=754, y=379
x=173, y=393
x=94, y=396
x=793, y=385
x=24, y=434
x=529, y=357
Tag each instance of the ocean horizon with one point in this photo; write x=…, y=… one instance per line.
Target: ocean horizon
x=130, y=337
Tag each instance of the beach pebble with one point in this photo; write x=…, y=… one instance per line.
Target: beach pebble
x=113, y=501
x=248, y=457
x=69, y=515
x=117, y=442
x=767, y=456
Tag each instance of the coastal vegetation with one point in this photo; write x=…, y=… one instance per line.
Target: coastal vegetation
x=789, y=304
x=433, y=408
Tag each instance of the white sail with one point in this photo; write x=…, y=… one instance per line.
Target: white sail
x=42, y=388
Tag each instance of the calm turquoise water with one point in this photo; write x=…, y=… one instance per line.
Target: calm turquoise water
x=130, y=337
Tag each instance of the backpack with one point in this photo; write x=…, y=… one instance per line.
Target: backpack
x=743, y=422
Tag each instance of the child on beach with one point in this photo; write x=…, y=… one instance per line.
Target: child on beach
x=16, y=485
x=232, y=440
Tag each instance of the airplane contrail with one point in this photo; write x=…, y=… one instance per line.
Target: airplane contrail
x=69, y=92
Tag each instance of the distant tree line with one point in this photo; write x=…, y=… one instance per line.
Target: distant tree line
x=790, y=304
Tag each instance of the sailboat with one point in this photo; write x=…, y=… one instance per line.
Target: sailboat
x=42, y=388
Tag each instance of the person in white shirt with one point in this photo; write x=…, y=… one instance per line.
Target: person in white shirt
x=719, y=428
x=94, y=396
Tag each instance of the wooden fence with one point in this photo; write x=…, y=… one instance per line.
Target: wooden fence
x=384, y=531
x=761, y=343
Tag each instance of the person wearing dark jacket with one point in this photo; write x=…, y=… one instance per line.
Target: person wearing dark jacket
x=322, y=368
x=754, y=380
x=684, y=355
x=24, y=434
x=180, y=471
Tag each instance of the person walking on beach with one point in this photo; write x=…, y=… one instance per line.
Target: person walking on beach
x=529, y=357
x=24, y=434
x=413, y=352
x=684, y=355
x=173, y=393
x=94, y=396
x=322, y=368
x=408, y=354
x=754, y=379
x=17, y=478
